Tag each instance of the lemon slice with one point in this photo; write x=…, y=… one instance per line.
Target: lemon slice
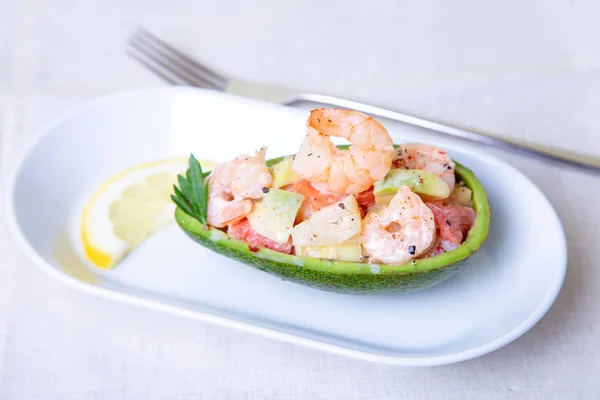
x=128, y=208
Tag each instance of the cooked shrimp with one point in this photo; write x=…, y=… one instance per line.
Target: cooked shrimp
x=368, y=159
x=428, y=158
x=399, y=232
x=234, y=185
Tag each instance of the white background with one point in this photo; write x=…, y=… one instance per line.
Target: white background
x=522, y=69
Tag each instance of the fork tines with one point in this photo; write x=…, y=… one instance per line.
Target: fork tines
x=171, y=64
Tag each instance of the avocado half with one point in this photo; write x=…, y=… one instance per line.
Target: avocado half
x=352, y=277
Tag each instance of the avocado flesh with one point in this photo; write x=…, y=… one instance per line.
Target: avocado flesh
x=283, y=174
x=346, y=276
x=422, y=182
x=273, y=216
x=460, y=195
x=349, y=250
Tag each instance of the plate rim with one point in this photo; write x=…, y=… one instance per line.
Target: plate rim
x=445, y=359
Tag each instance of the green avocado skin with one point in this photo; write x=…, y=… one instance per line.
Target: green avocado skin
x=352, y=278
x=335, y=282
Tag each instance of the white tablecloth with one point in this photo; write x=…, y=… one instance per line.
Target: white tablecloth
x=527, y=70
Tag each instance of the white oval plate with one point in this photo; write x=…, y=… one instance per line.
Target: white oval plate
x=502, y=292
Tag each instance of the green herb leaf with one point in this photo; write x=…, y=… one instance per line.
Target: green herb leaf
x=192, y=194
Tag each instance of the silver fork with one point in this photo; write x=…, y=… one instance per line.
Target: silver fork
x=178, y=68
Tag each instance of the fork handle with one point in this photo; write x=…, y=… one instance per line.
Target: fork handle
x=584, y=162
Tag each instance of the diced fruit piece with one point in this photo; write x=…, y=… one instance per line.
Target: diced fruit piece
x=283, y=174
x=349, y=250
x=460, y=195
x=365, y=199
x=453, y=221
x=273, y=216
x=329, y=226
x=304, y=212
x=342, y=252
x=425, y=183
x=243, y=231
x=353, y=240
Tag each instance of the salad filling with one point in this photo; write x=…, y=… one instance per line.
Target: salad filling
x=370, y=202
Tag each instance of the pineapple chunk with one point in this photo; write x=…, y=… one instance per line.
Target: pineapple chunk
x=342, y=252
x=283, y=174
x=329, y=226
x=460, y=195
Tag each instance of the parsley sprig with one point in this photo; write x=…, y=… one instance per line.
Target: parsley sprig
x=192, y=194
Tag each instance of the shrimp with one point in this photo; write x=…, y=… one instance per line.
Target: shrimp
x=234, y=185
x=399, y=232
x=428, y=158
x=352, y=171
